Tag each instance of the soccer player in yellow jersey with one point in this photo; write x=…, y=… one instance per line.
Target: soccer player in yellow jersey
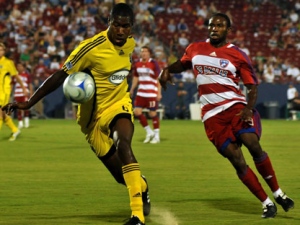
x=7, y=71
x=107, y=119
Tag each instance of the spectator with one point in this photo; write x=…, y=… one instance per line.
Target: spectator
x=160, y=26
x=188, y=76
x=173, y=9
x=202, y=10
x=183, y=40
x=268, y=74
x=293, y=16
x=199, y=23
x=144, y=5
x=141, y=40
x=239, y=37
x=272, y=42
x=182, y=25
x=293, y=73
x=244, y=49
x=174, y=44
x=171, y=26
x=186, y=7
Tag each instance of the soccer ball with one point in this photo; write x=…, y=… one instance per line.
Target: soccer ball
x=79, y=87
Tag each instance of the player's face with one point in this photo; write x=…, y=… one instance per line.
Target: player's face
x=119, y=30
x=218, y=30
x=145, y=54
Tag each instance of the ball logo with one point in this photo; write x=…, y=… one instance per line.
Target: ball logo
x=118, y=77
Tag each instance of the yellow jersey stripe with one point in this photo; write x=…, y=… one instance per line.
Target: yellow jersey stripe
x=87, y=48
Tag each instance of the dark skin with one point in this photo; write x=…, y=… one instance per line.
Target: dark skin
x=218, y=31
x=122, y=130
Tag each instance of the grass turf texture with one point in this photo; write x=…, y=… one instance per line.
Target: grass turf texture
x=49, y=176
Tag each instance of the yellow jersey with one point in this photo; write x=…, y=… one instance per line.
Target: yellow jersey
x=109, y=66
x=7, y=70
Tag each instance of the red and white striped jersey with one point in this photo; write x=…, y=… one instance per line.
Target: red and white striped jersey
x=218, y=72
x=148, y=73
x=26, y=79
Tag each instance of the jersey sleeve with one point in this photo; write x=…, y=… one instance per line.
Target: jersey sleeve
x=79, y=59
x=156, y=68
x=186, y=59
x=247, y=72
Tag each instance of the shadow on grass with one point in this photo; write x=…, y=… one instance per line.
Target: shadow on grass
x=105, y=218
x=241, y=206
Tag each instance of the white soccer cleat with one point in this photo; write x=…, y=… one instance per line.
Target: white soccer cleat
x=148, y=138
x=14, y=135
x=155, y=140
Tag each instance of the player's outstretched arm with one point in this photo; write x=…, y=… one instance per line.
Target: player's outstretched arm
x=49, y=85
x=165, y=75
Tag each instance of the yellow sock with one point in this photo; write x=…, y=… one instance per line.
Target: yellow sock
x=1, y=122
x=9, y=122
x=132, y=177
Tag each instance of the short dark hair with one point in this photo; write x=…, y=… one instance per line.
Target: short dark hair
x=228, y=21
x=122, y=9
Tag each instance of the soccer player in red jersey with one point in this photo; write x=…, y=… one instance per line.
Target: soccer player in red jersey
x=145, y=77
x=20, y=96
x=230, y=119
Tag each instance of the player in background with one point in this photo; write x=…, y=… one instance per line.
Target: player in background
x=145, y=77
x=230, y=119
x=7, y=71
x=107, y=119
x=19, y=95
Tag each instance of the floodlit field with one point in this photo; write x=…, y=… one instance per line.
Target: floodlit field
x=48, y=176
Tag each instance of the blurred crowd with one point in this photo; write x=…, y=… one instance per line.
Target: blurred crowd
x=41, y=33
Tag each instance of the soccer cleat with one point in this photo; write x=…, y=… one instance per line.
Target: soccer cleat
x=155, y=140
x=148, y=138
x=285, y=202
x=269, y=211
x=146, y=199
x=134, y=221
x=14, y=135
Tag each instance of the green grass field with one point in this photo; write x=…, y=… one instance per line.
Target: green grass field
x=48, y=176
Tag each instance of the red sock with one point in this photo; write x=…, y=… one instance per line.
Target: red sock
x=26, y=113
x=19, y=114
x=252, y=183
x=143, y=120
x=264, y=167
x=155, y=121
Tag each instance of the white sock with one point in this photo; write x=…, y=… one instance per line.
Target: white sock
x=26, y=121
x=277, y=193
x=267, y=202
x=148, y=129
x=156, y=133
x=20, y=123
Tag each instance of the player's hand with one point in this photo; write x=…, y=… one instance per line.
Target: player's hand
x=11, y=107
x=246, y=115
x=164, y=78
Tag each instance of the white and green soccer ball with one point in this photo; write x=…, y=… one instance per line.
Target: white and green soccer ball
x=79, y=87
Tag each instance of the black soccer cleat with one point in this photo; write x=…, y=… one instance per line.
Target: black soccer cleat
x=269, y=211
x=286, y=202
x=134, y=221
x=146, y=199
